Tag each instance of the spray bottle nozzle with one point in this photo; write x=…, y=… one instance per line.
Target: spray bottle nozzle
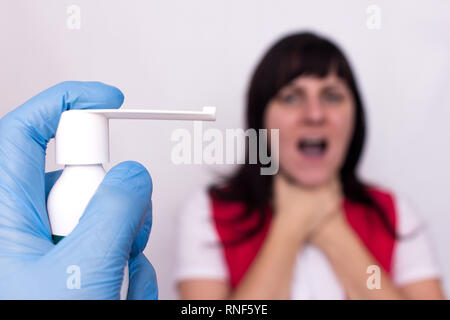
x=82, y=136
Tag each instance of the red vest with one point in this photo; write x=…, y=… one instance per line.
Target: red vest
x=363, y=220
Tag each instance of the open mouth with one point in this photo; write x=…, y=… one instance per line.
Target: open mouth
x=313, y=147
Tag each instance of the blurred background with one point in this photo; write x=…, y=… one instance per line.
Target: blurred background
x=186, y=54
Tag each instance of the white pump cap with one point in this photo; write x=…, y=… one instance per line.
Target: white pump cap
x=82, y=136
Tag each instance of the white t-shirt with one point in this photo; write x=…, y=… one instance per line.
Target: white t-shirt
x=200, y=255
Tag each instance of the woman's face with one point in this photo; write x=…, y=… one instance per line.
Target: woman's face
x=315, y=117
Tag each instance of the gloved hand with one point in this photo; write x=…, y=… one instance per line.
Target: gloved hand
x=114, y=229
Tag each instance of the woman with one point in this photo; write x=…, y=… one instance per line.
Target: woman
x=313, y=230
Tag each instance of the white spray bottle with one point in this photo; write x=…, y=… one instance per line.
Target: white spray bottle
x=82, y=146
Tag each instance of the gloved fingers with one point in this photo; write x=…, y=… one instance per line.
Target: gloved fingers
x=50, y=179
x=14, y=241
x=103, y=238
x=143, y=282
x=39, y=116
x=24, y=133
x=143, y=234
x=21, y=241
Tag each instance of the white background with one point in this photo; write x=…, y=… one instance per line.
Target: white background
x=186, y=54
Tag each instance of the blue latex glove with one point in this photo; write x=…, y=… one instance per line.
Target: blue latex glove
x=114, y=228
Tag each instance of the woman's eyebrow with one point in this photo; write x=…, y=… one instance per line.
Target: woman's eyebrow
x=294, y=87
x=333, y=86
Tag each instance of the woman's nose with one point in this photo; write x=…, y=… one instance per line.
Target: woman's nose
x=314, y=113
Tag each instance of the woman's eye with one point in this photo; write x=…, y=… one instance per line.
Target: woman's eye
x=333, y=97
x=290, y=98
